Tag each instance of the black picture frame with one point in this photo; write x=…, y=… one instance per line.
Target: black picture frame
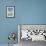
x=9, y=16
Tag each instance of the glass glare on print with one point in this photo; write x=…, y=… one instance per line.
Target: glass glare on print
x=10, y=11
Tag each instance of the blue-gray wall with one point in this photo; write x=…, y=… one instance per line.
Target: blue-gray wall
x=26, y=12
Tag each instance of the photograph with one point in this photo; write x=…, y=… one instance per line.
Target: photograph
x=10, y=11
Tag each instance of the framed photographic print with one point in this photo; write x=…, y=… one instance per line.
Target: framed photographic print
x=10, y=11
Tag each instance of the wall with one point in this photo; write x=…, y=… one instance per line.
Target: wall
x=7, y=25
x=31, y=11
x=27, y=12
